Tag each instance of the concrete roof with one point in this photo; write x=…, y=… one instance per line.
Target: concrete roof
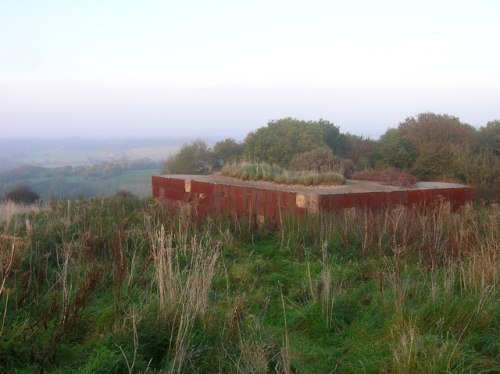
x=351, y=186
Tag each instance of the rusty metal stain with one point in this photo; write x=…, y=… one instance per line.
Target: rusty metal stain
x=267, y=205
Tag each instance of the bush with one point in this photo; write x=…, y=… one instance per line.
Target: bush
x=22, y=195
x=388, y=176
x=192, y=158
x=321, y=160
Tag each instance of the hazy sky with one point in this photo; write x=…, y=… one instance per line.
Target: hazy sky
x=214, y=69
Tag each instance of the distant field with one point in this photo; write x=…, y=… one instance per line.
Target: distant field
x=63, y=157
x=154, y=153
x=84, y=152
x=136, y=181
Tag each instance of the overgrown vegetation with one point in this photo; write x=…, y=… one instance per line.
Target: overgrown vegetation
x=261, y=171
x=389, y=176
x=121, y=285
x=322, y=160
x=429, y=146
x=112, y=285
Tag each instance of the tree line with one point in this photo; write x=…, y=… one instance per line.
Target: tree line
x=437, y=147
x=27, y=183
x=101, y=170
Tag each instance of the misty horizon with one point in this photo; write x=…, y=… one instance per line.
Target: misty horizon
x=220, y=113
x=91, y=69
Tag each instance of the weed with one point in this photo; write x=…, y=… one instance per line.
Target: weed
x=123, y=285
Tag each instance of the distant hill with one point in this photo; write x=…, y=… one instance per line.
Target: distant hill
x=78, y=152
x=103, y=179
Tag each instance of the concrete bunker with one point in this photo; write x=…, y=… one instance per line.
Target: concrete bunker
x=261, y=201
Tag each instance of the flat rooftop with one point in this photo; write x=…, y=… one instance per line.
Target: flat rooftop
x=351, y=186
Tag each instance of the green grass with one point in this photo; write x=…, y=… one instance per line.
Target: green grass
x=121, y=285
x=63, y=157
x=136, y=181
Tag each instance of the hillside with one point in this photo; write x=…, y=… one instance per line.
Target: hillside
x=120, y=285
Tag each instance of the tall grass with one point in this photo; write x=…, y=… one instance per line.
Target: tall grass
x=122, y=285
x=262, y=171
x=183, y=279
x=9, y=209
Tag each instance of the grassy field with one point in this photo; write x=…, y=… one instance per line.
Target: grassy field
x=136, y=181
x=123, y=286
x=63, y=157
x=75, y=151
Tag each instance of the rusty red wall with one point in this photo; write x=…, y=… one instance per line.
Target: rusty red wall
x=424, y=197
x=261, y=205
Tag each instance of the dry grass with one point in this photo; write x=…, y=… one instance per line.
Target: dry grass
x=9, y=209
x=400, y=290
x=262, y=171
x=388, y=176
x=183, y=279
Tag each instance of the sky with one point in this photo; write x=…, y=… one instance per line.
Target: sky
x=217, y=69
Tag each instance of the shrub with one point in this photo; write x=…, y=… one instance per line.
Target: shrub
x=321, y=160
x=192, y=158
x=22, y=195
x=389, y=176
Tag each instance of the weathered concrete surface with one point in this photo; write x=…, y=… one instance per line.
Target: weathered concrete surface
x=266, y=201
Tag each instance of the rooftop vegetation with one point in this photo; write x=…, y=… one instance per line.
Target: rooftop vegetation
x=262, y=171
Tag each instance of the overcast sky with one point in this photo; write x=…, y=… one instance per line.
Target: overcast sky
x=214, y=69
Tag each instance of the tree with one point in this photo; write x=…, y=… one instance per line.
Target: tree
x=193, y=158
x=437, y=130
x=22, y=195
x=226, y=150
x=424, y=145
x=489, y=137
x=280, y=140
x=355, y=147
x=395, y=149
x=435, y=136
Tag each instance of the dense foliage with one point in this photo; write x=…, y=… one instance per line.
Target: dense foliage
x=440, y=147
x=120, y=285
x=430, y=146
x=193, y=158
x=280, y=140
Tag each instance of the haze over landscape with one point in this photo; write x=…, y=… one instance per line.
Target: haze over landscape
x=165, y=69
x=249, y=186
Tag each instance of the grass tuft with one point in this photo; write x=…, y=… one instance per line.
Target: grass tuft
x=261, y=171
